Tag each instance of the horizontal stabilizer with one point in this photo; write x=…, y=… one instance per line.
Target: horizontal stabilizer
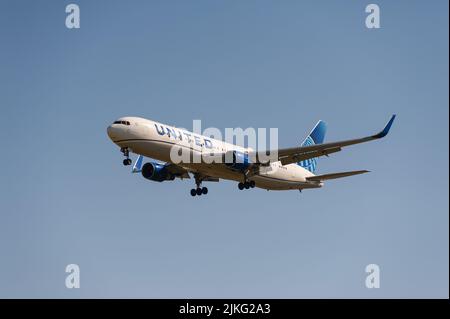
x=319, y=178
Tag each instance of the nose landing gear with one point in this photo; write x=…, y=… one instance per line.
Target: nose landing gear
x=127, y=161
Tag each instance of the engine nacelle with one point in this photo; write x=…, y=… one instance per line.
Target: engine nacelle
x=240, y=161
x=156, y=172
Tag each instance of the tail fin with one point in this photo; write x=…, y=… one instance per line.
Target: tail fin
x=316, y=136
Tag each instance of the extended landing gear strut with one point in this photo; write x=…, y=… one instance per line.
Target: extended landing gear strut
x=199, y=190
x=247, y=183
x=126, y=153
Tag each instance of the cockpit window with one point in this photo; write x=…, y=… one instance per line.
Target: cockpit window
x=122, y=122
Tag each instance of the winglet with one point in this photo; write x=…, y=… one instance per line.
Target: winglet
x=386, y=129
x=138, y=164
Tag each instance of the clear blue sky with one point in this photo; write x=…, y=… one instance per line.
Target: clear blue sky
x=66, y=198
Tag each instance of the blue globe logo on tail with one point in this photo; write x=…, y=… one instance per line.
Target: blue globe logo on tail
x=316, y=136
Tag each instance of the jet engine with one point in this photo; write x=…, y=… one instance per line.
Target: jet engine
x=156, y=172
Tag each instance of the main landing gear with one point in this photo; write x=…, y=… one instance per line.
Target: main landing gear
x=246, y=185
x=126, y=153
x=199, y=190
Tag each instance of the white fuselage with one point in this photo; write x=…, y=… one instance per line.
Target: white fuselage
x=156, y=140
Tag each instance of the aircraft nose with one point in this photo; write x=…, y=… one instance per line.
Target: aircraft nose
x=112, y=132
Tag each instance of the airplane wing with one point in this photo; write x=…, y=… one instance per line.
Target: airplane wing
x=137, y=164
x=297, y=154
x=177, y=171
x=319, y=178
x=210, y=179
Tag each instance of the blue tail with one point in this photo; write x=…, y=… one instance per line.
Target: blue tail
x=316, y=136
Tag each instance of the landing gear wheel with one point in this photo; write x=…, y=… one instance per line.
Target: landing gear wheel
x=193, y=192
x=198, y=191
x=247, y=185
x=204, y=190
x=241, y=186
x=126, y=153
x=252, y=184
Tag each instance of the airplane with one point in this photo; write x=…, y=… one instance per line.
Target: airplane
x=292, y=169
